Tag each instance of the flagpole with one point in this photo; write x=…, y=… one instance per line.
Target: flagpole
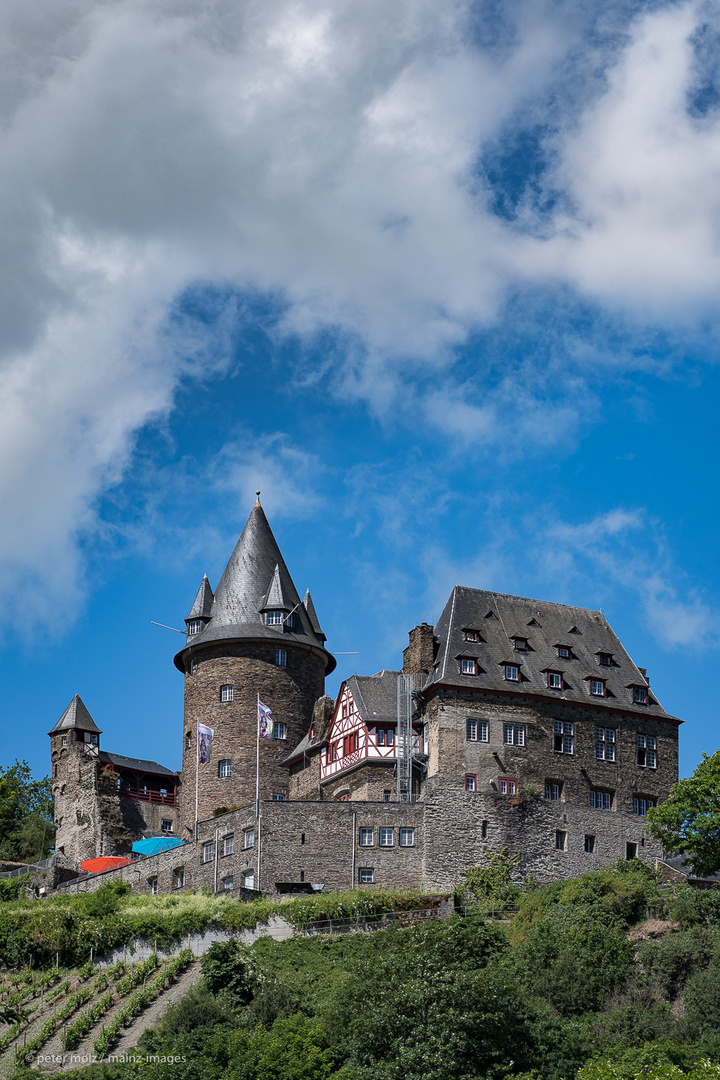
x=197, y=771
x=257, y=762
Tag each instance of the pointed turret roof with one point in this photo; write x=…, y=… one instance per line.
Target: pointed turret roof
x=254, y=581
x=202, y=607
x=275, y=596
x=76, y=716
x=312, y=615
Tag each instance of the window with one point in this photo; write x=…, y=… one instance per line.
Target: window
x=407, y=838
x=249, y=838
x=385, y=736
x=179, y=877
x=90, y=738
x=476, y=730
x=471, y=635
x=166, y=825
x=640, y=695
x=564, y=737
x=63, y=741
x=153, y=885
x=564, y=652
x=601, y=800
x=631, y=851
x=188, y=740
x=208, y=853
x=512, y=673
x=194, y=627
x=520, y=643
x=350, y=743
x=483, y=830
x=552, y=790
x=277, y=797
x=227, y=883
x=468, y=667
x=280, y=658
x=366, y=837
x=225, y=767
x=366, y=875
x=641, y=805
x=249, y=879
x=344, y=798
x=291, y=621
x=228, y=844
x=344, y=711
x=387, y=837
x=590, y=845
x=597, y=687
x=226, y=693
x=514, y=734
x=605, y=744
x=560, y=840
x=605, y=659
x=386, y=795
x=274, y=618
x=647, y=751
x=507, y=786
x=470, y=782
x=554, y=680
x=279, y=730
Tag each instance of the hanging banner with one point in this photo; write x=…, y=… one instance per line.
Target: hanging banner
x=265, y=724
x=205, y=738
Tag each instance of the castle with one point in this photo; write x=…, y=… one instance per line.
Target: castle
x=512, y=723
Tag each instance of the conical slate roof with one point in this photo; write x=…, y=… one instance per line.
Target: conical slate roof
x=76, y=716
x=312, y=615
x=254, y=581
x=202, y=607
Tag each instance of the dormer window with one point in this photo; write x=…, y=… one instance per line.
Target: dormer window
x=605, y=659
x=554, y=680
x=468, y=667
x=597, y=688
x=520, y=643
x=512, y=673
x=563, y=651
x=274, y=618
x=194, y=627
x=640, y=695
x=471, y=635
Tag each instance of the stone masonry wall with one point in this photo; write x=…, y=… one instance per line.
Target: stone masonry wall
x=295, y=838
x=419, y=655
x=249, y=668
x=453, y=755
x=461, y=826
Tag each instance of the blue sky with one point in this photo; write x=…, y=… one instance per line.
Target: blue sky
x=441, y=280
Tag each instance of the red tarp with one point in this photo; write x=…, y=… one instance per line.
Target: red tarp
x=96, y=866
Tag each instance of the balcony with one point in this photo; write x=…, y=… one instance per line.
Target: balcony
x=166, y=798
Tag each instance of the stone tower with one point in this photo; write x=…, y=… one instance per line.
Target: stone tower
x=74, y=747
x=253, y=638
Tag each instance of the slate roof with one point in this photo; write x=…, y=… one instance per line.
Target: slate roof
x=202, y=605
x=138, y=764
x=497, y=617
x=681, y=864
x=375, y=696
x=256, y=574
x=77, y=717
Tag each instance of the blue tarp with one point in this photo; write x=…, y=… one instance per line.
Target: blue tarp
x=155, y=844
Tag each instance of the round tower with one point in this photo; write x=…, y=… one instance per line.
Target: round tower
x=253, y=641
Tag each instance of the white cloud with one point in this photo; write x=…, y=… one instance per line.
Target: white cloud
x=325, y=153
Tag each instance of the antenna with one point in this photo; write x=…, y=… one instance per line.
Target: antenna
x=166, y=627
x=354, y=653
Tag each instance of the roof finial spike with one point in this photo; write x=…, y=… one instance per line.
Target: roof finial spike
x=257, y=498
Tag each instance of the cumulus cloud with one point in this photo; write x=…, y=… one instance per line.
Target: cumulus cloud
x=327, y=155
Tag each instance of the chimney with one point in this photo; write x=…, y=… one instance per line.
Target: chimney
x=419, y=656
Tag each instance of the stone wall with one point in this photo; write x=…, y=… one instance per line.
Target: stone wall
x=249, y=667
x=419, y=656
x=536, y=763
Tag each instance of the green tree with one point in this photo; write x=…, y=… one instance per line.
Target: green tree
x=26, y=814
x=689, y=819
x=492, y=885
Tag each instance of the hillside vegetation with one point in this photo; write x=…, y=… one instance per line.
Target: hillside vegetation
x=604, y=977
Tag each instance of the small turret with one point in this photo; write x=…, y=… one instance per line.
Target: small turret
x=201, y=611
